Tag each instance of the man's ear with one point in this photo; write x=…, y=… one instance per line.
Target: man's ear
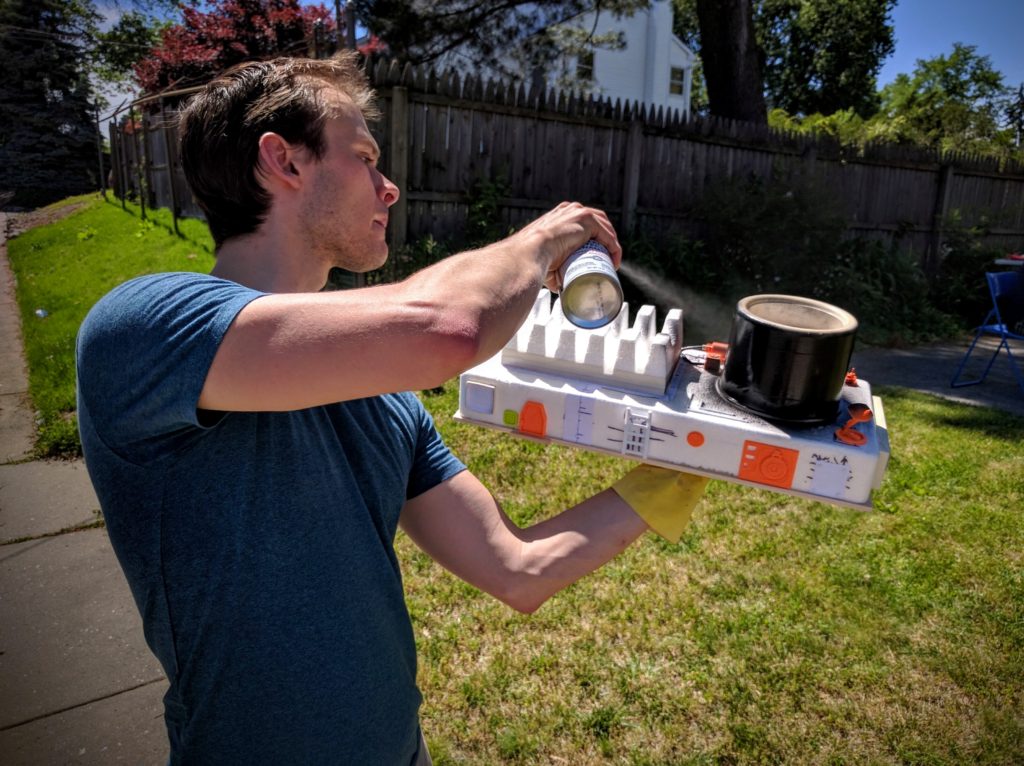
x=279, y=161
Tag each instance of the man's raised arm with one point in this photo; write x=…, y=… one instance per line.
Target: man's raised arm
x=291, y=351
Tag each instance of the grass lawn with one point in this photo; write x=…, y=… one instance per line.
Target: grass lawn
x=62, y=269
x=778, y=631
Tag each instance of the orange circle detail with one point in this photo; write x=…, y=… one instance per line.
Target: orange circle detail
x=773, y=467
x=695, y=438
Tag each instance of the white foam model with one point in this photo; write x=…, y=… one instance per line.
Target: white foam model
x=637, y=356
x=631, y=391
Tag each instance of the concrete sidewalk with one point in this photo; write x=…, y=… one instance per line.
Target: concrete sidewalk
x=930, y=368
x=78, y=683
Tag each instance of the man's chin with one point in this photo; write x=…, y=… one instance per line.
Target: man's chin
x=370, y=259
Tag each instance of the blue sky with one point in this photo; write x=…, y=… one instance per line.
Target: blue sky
x=928, y=28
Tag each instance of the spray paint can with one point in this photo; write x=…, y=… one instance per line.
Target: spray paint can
x=591, y=295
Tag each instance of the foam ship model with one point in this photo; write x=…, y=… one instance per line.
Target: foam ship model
x=632, y=391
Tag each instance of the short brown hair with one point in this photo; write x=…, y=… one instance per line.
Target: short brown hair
x=220, y=129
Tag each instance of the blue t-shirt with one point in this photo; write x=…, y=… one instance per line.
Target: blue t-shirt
x=258, y=546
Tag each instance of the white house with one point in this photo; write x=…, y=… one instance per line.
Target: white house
x=652, y=65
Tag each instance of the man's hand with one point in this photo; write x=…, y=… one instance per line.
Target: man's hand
x=561, y=231
x=664, y=499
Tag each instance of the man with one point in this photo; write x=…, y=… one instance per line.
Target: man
x=253, y=452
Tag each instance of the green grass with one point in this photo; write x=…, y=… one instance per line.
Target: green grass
x=62, y=269
x=778, y=631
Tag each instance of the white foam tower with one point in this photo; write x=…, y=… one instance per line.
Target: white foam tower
x=637, y=357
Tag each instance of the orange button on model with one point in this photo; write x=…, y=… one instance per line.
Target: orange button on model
x=859, y=413
x=695, y=439
x=533, y=419
x=767, y=464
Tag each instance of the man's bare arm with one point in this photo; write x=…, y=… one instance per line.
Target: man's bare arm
x=290, y=351
x=460, y=525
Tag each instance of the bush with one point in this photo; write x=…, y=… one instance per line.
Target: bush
x=884, y=287
x=789, y=237
x=960, y=284
x=769, y=237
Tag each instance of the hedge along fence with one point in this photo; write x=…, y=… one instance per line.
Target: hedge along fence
x=443, y=137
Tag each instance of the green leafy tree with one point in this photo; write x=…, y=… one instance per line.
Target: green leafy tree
x=210, y=39
x=1015, y=116
x=955, y=103
x=816, y=55
x=951, y=103
x=47, y=128
x=131, y=39
x=824, y=55
x=528, y=34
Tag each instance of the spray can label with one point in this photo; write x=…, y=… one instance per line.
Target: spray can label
x=591, y=294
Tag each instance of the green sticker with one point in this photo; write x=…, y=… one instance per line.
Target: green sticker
x=510, y=418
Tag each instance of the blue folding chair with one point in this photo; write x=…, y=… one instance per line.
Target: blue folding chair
x=1005, y=320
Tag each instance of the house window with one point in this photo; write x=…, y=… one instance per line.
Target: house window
x=675, y=80
x=585, y=66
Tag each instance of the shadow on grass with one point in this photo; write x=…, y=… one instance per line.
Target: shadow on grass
x=162, y=217
x=936, y=411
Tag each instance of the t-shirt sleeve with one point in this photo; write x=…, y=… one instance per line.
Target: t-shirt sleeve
x=144, y=351
x=433, y=462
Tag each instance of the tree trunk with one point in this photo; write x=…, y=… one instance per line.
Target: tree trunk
x=731, y=58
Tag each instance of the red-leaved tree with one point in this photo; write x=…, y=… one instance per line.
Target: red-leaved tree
x=232, y=31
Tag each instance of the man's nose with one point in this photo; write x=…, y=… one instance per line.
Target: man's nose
x=389, y=193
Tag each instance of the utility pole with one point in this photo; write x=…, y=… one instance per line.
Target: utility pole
x=346, y=19
x=350, y=26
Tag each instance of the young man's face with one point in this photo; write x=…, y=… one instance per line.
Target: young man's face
x=345, y=212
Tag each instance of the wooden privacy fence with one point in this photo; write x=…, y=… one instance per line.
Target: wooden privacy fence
x=443, y=136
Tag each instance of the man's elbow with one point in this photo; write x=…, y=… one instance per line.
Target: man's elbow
x=527, y=607
x=523, y=595
x=456, y=348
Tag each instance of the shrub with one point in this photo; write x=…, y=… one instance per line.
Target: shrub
x=960, y=285
x=789, y=237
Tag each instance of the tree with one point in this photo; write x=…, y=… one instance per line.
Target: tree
x=816, y=55
x=729, y=53
x=120, y=49
x=231, y=31
x=47, y=130
x=1015, y=116
x=487, y=35
x=956, y=103
x=951, y=103
x=824, y=55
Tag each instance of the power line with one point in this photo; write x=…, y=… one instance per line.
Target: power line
x=44, y=33
x=32, y=35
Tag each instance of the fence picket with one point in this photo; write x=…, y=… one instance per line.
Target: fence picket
x=547, y=145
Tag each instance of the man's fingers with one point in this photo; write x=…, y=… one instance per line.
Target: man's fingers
x=568, y=226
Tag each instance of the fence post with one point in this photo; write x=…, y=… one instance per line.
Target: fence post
x=631, y=183
x=933, y=257
x=170, y=167
x=99, y=153
x=122, y=150
x=117, y=147
x=147, y=164
x=140, y=162
x=398, y=164
x=115, y=159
